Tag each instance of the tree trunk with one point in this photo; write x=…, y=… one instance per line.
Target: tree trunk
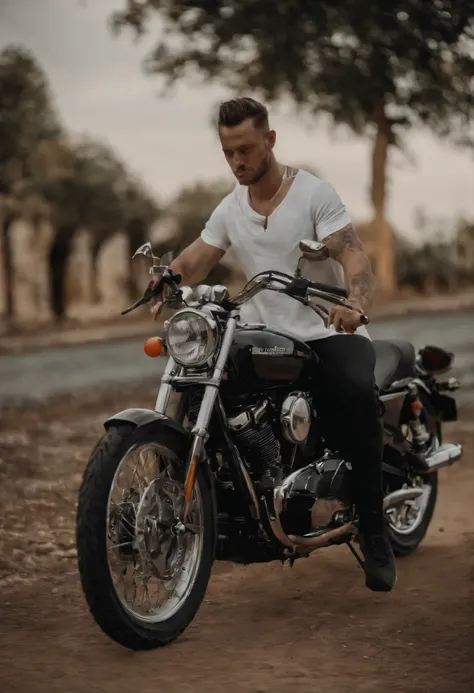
x=385, y=255
x=8, y=270
x=58, y=259
x=95, y=290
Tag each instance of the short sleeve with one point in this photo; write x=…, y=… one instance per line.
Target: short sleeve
x=215, y=231
x=328, y=211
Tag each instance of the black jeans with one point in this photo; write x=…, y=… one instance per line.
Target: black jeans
x=347, y=402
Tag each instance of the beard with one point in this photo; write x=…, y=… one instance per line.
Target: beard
x=260, y=172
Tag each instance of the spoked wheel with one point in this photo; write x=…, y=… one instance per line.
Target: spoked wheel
x=144, y=573
x=409, y=522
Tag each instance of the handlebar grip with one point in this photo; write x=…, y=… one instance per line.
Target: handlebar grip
x=330, y=289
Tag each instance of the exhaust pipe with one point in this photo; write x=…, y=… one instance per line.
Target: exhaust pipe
x=401, y=496
x=310, y=542
x=445, y=455
x=322, y=540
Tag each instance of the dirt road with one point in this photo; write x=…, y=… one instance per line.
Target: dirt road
x=262, y=629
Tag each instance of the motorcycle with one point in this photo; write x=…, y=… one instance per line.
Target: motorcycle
x=240, y=471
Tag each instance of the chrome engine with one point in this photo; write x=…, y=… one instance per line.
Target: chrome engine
x=315, y=499
x=256, y=438
x=295, y=417
x=312, y=506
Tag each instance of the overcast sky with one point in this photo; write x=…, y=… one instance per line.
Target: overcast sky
x=100, y=89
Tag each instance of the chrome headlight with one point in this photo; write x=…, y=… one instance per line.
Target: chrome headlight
x=191, y=337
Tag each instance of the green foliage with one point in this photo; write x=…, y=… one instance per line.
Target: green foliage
x=84, y=183
x=438, y=265
x=191, y=209
x=46, y=174
x=342, y=57
x=27, y=115
x=189, y=212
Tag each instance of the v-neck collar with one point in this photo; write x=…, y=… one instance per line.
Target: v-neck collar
x=261, y=217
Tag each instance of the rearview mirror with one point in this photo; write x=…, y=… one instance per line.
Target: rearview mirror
x=312, y=250
x=158, y=265
x=167, y=258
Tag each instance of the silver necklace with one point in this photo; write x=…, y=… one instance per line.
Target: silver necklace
x=284, y=177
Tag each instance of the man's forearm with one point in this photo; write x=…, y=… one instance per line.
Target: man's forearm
x=361, y=284
x=196, y=261
x=190, y=275
x=346, y=247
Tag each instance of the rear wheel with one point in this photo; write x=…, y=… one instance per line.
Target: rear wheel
x=144, y=574
x=409, y=522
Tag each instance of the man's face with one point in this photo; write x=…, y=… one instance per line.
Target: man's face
x=247, y=150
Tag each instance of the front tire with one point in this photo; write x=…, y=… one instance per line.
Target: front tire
x=117, y=619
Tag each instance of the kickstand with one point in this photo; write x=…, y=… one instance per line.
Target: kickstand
x=356, y=555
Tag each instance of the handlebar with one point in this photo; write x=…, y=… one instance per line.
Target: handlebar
x=298, y=288
x=330, y=289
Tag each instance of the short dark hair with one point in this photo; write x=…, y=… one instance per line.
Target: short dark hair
x=235, y=111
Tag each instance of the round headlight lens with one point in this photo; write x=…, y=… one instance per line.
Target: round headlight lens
x=191, y=338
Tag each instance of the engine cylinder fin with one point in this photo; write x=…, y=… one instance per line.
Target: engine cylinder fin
x=260, y=449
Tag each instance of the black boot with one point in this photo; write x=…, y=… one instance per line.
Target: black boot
x=379, y=561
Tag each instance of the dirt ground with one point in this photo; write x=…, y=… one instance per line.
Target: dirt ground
x=262, y=629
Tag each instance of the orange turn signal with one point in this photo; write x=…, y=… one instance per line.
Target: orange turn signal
x=153, y=346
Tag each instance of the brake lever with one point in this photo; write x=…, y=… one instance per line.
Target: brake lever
x=144, y=299
x=169, y=278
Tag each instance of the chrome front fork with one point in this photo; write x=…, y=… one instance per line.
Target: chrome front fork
x=199, y=432
x=164, y=393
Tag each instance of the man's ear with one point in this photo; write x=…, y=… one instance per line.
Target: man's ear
x=271, y=139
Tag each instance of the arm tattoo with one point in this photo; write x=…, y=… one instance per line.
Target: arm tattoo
x=361, y=289
x=345, y=240
x=346, y=247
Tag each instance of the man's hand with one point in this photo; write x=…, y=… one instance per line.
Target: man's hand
x=345, y=319
x=193, y=264
x=156, y=303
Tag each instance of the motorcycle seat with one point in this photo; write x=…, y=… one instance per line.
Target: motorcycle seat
x=395, y=359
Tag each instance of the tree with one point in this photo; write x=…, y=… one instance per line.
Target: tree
x=192, y=207
x=189, y=211
x=380, y=68
x=76, y=184
x=95, y=192
x=27, y=120
x=141, y=212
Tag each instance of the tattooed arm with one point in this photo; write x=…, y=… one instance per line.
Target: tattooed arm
x=346, y=247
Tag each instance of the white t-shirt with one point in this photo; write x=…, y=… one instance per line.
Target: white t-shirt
x=311, y=209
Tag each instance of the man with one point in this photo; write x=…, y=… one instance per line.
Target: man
x=263, y=219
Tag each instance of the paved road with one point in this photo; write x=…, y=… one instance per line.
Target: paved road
x=34, y=376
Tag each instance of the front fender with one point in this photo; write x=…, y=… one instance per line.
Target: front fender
x=145, y=417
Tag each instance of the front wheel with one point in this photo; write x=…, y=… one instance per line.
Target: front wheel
x=144, y=574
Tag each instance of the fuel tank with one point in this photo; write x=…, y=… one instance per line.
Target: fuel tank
x=262, y=359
